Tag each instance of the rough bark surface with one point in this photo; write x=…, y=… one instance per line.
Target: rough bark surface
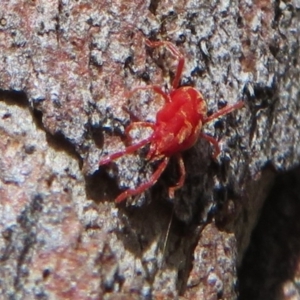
x=65, y=71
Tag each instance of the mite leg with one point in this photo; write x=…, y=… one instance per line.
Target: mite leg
x=180, y=183
x=108, y=158
x=132, y=125
x=226, y=110
x=155, y=88
x=212, y=141
x=144, y=186
x=175, y=51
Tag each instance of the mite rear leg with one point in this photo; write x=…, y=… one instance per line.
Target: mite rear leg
x=224, y=111
x=214, y=142
x=144, y=186
x=181, y=180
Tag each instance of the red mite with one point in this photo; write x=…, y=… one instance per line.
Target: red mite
x=177, y=128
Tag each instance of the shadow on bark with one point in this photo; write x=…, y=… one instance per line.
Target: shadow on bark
x=270, y=264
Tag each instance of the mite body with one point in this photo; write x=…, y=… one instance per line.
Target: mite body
x=177, y=127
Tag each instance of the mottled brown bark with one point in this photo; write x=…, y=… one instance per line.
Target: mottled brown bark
x=65, y=71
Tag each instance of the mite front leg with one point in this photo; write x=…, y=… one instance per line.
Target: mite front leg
x=109, y=158
x=155, y=88
x=132, y=125
x=174, y=50
x=224, y=111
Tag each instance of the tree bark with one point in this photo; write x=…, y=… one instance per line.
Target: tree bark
x=65, y=73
